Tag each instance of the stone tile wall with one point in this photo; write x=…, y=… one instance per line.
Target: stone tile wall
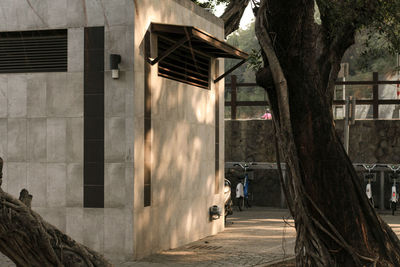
x=42, y=133
x=41, y=123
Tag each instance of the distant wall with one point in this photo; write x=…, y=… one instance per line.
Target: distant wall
x=371, y=141
x=249, y=140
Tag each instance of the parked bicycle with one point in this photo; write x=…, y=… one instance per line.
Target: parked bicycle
x=369, y=176
x=394, y=196
x=228, y=204
x=242, y=189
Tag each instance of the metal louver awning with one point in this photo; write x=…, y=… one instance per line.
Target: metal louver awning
x=198, y=42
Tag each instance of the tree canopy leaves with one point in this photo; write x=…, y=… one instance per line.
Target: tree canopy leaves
x=375, y=16
x=210, y=4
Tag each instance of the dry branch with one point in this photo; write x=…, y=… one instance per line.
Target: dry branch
x=233, y=14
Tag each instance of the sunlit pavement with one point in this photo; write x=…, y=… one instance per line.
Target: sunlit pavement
x=254, y=237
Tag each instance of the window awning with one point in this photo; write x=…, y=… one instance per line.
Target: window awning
x=198, y=42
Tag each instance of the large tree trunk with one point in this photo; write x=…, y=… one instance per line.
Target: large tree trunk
x=335, y=223
x=28, y=240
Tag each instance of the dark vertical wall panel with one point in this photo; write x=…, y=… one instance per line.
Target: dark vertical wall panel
x=216, y=107
x=147, y=126
x=93, y=193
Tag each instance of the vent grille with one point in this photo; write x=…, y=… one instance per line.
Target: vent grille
x=33, y=51
x=183, y=65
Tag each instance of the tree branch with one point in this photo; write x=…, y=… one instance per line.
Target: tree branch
x=274, y=66
x=233, y=14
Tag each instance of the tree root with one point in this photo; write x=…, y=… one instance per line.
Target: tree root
x=28, y=240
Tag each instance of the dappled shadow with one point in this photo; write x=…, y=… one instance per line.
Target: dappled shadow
x=182, y=150
x=257, y=236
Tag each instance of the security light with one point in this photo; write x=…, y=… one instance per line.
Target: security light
x=114, y=61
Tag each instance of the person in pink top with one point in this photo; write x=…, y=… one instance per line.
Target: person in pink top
x=267, y=115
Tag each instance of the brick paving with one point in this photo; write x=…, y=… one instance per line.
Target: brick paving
x=254, y=237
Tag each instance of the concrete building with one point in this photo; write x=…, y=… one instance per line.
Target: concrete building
x=129, y=165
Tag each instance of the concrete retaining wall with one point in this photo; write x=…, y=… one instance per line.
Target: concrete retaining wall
x=371, y=141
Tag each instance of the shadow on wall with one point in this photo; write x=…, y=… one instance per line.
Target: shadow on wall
x=183, y=145
x=183, y=151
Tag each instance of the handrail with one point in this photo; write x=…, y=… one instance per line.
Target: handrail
x=274, y=166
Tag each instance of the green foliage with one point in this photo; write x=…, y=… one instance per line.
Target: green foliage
x=370, y=53
x=246, y=40
x=387, y=23
x=255, y=61
x=380, y=17
x=378, y=38
x=210, y=4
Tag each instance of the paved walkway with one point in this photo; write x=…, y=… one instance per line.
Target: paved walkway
x=254, y=237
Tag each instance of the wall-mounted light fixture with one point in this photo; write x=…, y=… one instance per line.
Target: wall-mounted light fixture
x=215, y=212
x=114, y=61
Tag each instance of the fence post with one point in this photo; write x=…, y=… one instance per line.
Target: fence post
x=382, y=191
x=283, y=198
x=233, y=97
x=375, y=95
x=347, y=124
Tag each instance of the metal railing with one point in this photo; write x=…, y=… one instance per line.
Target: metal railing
x=375, y=101
x=379, y=169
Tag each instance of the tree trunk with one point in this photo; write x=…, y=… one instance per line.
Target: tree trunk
x=335, y=223
x=28, y=240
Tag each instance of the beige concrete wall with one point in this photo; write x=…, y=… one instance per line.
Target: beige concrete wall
x=183, y=141
x=41, y=123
